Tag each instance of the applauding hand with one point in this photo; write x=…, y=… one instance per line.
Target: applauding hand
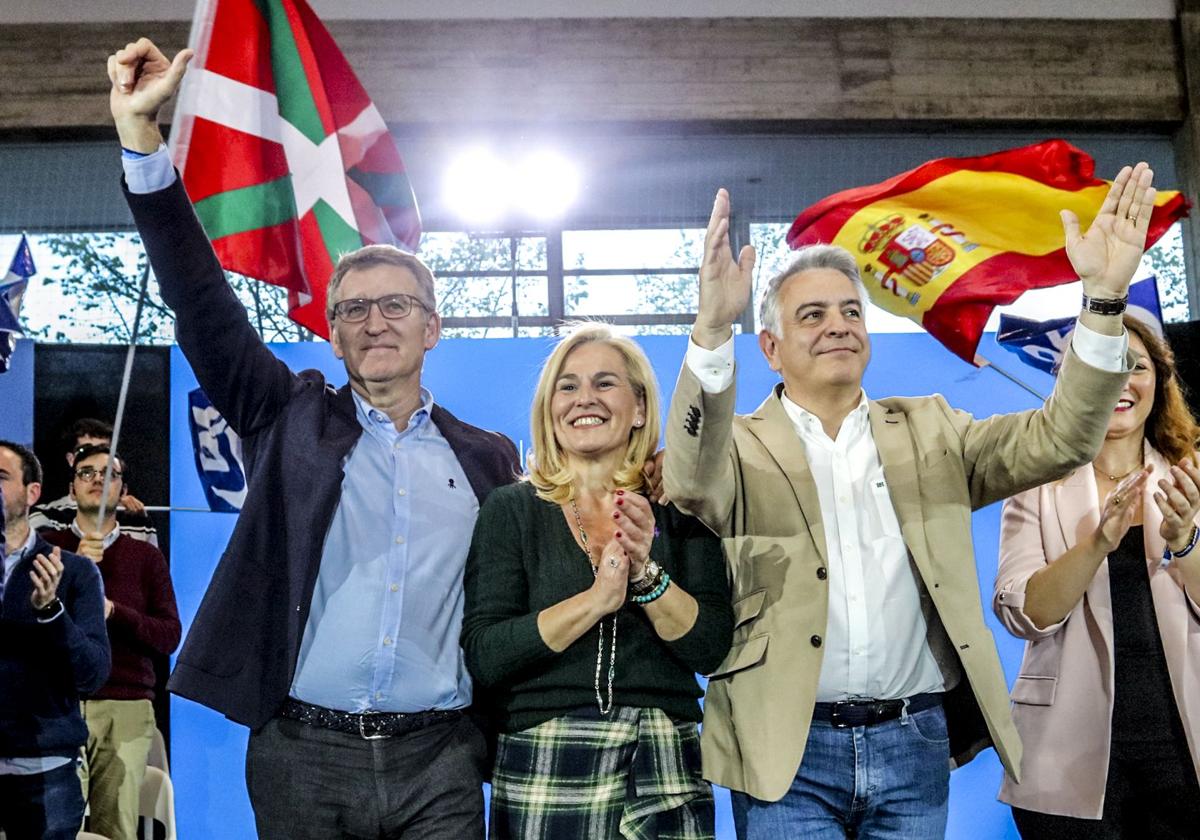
x=1178, y=499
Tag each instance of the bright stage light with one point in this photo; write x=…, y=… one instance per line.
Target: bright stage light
x=485, y=189
x=548, y=184
x=478, y=186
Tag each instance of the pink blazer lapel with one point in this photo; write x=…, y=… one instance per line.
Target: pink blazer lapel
x=1151, y=515
x=1076, y=502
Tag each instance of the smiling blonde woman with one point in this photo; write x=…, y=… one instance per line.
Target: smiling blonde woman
x=589, y=611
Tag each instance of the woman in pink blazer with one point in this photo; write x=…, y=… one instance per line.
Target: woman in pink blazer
x=1108, y=598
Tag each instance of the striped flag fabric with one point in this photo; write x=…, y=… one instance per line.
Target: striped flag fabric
x=1041, y=344
x=12, y=292
x=946, y=242
x=287, y=160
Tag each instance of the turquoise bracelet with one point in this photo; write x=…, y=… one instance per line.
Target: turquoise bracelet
x=655, y=594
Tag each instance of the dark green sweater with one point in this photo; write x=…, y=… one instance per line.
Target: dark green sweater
x=524, y=559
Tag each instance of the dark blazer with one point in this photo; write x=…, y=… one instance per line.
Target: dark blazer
x=44, y=668
x=240, y=654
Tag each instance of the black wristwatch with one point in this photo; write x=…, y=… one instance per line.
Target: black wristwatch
x=49, y=611
x=1105, y=306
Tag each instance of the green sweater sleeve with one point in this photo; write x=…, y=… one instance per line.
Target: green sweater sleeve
x=500, y=635
x=697, y=565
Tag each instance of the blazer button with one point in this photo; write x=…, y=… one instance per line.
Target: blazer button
x=816, y=640
x=821, y=573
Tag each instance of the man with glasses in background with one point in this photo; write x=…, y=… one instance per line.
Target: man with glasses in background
x=331, y=624
x=60, y=513
x=142, y=621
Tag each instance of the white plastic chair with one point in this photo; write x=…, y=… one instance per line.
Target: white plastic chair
x=157, y=805
x=158, y=753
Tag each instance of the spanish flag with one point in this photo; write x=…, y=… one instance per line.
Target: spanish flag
x=946, y=242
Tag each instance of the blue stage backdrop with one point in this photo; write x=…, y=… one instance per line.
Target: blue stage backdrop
x=16, y=395
x=489, y=382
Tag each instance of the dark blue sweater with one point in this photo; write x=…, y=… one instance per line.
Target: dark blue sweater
x=44, y=668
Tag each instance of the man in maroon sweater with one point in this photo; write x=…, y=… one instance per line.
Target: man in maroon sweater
x=142, y=621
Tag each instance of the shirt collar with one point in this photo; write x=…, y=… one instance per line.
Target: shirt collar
x=375, y=421
x=109, y=538
x=25, y=548
x=856, y=421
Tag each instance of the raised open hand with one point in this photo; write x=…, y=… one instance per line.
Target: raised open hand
x=724, y=283
x=1106, y=257
x=142, y=80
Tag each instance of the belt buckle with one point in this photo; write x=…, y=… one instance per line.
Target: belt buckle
x=835, y=715
x=362, y=730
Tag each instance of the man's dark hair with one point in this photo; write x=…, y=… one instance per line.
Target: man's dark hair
x=85, y=427
x=31, y=467
x=89, y=449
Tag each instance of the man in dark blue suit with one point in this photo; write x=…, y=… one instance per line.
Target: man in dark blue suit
x=331, y=624
x=53, y=648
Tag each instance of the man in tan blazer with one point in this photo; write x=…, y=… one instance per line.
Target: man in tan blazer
x=861, y=668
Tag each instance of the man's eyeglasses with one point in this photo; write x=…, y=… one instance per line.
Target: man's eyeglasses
x=91, y=473
x=392, y=307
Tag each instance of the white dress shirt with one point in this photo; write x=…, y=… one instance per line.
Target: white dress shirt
x=876, y=640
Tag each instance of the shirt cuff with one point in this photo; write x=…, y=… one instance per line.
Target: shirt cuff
x=1106, y=352
x=149, y=173
x=714, y=368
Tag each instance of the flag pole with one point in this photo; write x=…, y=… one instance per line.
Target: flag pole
x=980, y=359
x=125, y=378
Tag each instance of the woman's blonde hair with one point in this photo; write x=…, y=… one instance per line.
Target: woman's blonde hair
x=547, y=468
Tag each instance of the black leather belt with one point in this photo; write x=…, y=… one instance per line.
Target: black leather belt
x=370, y=725
x=847, y=713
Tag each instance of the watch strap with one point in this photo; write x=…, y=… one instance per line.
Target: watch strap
x=1105, y=306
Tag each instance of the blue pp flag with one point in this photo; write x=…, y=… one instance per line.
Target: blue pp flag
x=218, y=451
x=12, y=290
x=1041, y=344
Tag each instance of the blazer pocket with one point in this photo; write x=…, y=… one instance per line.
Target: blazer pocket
x=748, y=608
x=1034, y=690
x=934, y=457
x=742, y=656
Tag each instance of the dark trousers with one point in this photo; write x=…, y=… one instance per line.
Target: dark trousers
x=42, y=806
x=309, y=783
x=1151, y=794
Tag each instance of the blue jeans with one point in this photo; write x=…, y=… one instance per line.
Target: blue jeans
x=890, y=781
x=42, y=806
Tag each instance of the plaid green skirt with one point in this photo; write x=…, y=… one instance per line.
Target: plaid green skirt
x=634, y=773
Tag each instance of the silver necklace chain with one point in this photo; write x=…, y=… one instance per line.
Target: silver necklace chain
x=612, y=657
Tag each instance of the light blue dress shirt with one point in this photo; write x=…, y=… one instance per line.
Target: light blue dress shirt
x=382, y=632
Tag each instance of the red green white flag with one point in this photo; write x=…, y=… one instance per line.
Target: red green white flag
x=288, y=162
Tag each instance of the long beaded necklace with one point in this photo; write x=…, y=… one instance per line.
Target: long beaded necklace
x=612, y=657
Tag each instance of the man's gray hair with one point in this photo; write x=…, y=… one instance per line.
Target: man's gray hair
x=373, y=256
x=808, y=257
